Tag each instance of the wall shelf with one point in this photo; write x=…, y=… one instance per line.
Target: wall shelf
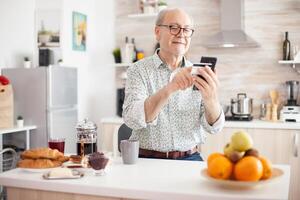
x=293, y=64
x=142, y=15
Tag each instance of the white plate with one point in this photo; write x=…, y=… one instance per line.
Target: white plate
x=33, y=170
x=276, y=173
x=76, y=174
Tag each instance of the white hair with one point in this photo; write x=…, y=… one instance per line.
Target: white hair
x=161, y=15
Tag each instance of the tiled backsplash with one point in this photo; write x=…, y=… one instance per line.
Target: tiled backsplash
x=254, y=71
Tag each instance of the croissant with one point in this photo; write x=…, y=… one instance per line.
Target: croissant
x=42, y=153
x=38, y=163
x=63, y=159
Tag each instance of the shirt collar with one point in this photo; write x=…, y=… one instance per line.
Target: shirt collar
x=159, y=63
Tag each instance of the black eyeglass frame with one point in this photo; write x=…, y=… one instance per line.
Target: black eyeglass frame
x=180, y=28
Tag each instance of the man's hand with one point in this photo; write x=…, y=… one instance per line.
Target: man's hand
x=181, y=80
x=209, y=86
x=209, y=91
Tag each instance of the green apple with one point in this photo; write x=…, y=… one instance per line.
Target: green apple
x=228, y=150
x=241, y=141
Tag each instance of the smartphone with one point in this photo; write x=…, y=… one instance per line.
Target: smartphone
x=206, y=61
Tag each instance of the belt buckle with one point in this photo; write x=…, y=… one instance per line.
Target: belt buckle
x=167, y=154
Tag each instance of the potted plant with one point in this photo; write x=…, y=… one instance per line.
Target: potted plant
x=162, y=4
x=27, y=63
x=20, y=121
x=117, y=55
x=44, y=36
x=60, y=62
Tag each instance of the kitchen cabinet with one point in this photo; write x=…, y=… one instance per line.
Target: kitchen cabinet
x=281, y=146
x=278, y=141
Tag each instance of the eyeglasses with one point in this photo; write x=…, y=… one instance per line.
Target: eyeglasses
x=175, y=30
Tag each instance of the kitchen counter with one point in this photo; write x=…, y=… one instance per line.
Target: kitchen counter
x=148, y=179
x=233, y=124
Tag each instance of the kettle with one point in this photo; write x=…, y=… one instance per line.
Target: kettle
x=242, y=105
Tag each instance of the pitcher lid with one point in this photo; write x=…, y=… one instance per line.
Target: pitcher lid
x=86, y=125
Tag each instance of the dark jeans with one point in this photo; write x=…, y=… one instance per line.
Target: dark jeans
x=194, y=157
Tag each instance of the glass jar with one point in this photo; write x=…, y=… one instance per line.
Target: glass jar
x=86, y=137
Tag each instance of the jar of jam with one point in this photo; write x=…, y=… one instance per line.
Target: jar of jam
x=86, y=137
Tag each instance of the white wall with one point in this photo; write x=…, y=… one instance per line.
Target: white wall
x=16, y=33
x=95, y=66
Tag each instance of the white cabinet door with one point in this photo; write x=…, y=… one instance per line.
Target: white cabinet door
x=295, y=166
x=275, y=144
x=217, y=142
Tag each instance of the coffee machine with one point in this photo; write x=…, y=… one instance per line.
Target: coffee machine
x=291, y=111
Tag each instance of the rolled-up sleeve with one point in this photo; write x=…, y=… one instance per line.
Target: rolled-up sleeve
x=217, y=126
x=135, y=95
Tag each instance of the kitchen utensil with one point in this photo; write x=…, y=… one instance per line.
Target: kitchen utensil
x=274, y=112
x=241, y=106
x=269, y=112
x=293, y=89
x=263, y=111
x=274, y=96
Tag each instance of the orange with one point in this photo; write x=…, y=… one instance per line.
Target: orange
x=213, y=156
x=267, y=167
x=248, y=168
x=220, y=167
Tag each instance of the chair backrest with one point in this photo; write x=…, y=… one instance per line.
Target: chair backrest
x=124, y=133
x=9, y=158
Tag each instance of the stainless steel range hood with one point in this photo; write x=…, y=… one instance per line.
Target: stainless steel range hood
x=232, y=27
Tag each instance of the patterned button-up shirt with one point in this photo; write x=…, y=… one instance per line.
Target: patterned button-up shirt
x=180, y=124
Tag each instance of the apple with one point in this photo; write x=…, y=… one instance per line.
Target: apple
x=241, y=141
x=228, y=150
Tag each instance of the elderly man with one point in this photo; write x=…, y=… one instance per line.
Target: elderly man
x=167, y=116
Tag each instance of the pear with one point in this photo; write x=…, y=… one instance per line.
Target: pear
x=241, y=141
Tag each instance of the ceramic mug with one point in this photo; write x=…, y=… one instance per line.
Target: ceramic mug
x=129, y=151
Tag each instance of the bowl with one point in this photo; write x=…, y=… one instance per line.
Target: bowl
x=234, y=184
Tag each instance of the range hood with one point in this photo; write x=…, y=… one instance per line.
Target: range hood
x=232, y=27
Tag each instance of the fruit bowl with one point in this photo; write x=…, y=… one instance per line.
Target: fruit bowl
x=276, y=174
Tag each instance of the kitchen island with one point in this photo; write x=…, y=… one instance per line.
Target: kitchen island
x=148, y=179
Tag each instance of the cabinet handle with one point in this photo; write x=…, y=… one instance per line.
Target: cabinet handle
x=295, y=145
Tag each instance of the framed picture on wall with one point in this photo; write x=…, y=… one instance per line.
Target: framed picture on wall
x=79, y=31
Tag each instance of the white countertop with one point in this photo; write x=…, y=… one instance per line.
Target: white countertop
x=232, y=124
x=149, y=179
